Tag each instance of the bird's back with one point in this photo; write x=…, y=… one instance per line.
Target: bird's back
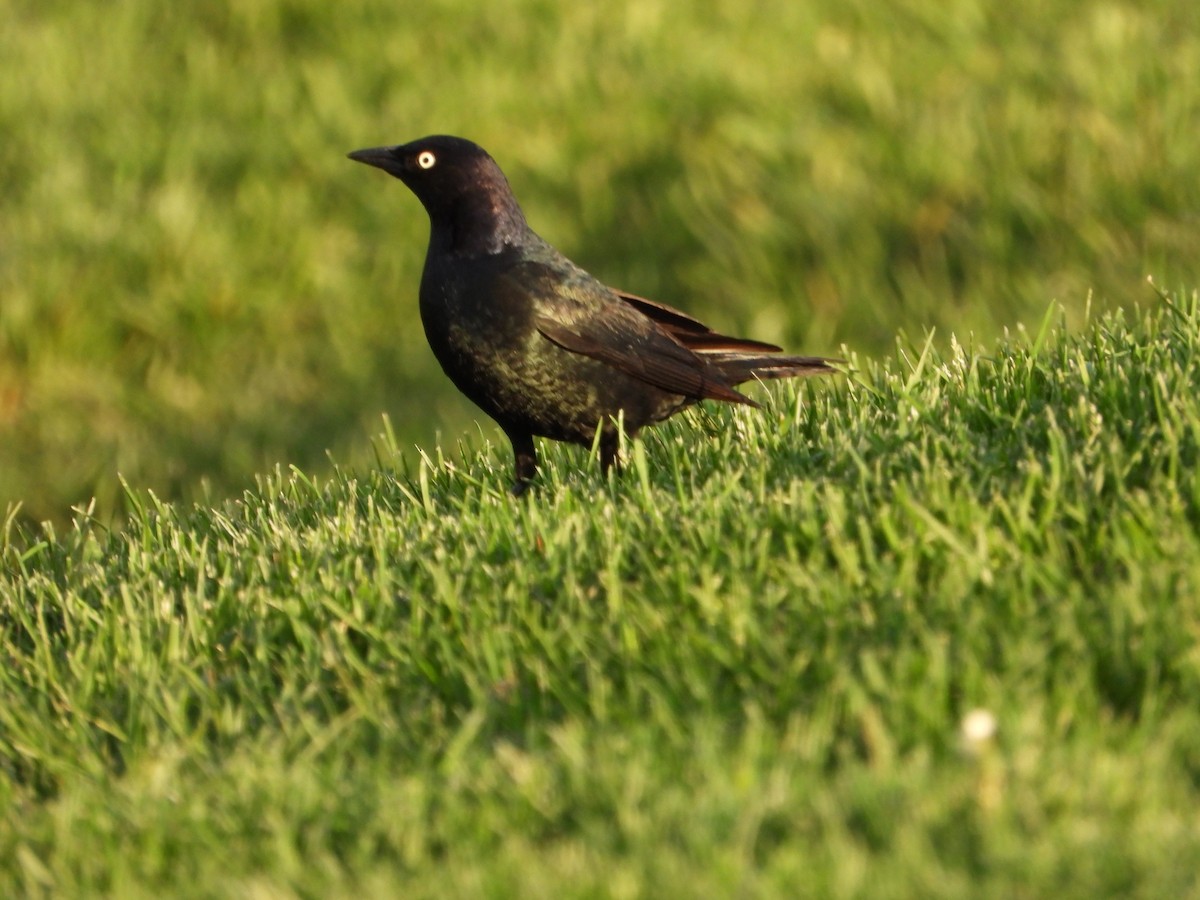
x=482, y=318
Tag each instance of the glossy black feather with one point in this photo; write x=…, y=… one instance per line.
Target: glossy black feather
x=535, y=341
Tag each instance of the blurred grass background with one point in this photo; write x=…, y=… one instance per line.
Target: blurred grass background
x=196, y=284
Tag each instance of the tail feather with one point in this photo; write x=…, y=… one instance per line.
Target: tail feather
x=736, y=359
x=739, y=367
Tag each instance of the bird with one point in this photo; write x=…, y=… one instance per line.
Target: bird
x=540, y=345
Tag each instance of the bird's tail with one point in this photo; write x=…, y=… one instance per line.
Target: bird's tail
x=740, y=367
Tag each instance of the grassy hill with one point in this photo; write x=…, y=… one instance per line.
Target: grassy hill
x=741, y=669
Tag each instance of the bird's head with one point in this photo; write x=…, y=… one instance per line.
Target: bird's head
x=456, y=180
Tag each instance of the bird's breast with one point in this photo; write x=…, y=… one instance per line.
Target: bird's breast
x=479, y=332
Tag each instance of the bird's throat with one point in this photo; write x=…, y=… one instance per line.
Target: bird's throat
x=478, y=226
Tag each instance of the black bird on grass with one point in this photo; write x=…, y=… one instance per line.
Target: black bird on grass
x=535, y=341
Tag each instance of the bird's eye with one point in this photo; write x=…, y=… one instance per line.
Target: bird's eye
x=425, y=159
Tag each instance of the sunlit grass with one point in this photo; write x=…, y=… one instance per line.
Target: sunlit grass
x=752, y=664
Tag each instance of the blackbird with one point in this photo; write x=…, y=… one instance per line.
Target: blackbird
x=536, y=342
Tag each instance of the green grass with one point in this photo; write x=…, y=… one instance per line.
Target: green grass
x=740, y=669
x=196, y=285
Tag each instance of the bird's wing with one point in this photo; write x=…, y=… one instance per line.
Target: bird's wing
x=675, y=319
x=663, y=364
x=581, y=315
x=692, y=333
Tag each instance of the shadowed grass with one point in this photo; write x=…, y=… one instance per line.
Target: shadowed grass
x=196, y=285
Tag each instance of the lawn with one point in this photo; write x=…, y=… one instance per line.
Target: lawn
x=270, y=623
x=741, y=668
x=196, y=285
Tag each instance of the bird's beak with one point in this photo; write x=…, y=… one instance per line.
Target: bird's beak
x=381, y=157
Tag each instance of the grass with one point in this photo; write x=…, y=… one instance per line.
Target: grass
x=740, y=669
x=196, y=285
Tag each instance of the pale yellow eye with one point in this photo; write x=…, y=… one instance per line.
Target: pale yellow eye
x=426, y=159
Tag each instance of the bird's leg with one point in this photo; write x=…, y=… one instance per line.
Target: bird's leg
x=526, y=462
x=610, y=447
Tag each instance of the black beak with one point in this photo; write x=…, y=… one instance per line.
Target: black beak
x=381, y=157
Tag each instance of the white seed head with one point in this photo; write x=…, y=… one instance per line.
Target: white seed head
x=978, y=727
